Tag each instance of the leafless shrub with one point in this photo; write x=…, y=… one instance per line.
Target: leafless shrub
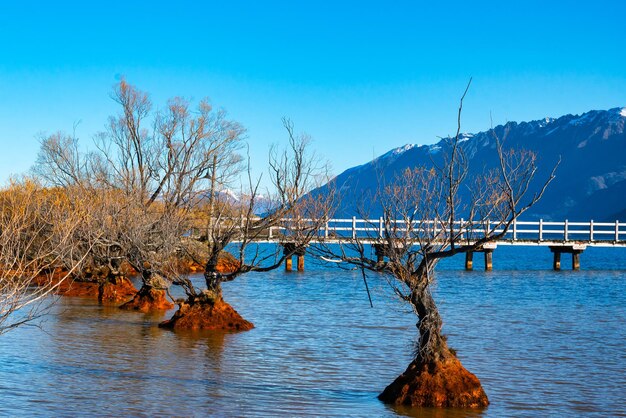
x=36, y=229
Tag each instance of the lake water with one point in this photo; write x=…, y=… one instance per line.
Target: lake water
x=543, y=343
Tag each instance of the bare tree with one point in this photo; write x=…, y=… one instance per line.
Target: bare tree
x=294, y=214
x=80, y=176
x=36, y=227
x=167, y=171
x=150, y=168
x=422, y=208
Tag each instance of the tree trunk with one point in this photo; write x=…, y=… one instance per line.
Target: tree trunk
x=435, y=377
x=212, y=276
x=432, y=344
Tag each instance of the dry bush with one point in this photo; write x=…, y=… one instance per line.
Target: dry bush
x=36, y=231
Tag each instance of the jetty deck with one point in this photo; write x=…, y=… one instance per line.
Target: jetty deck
x=561, y=237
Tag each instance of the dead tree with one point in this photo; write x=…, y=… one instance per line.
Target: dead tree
x=421, y=209
x=238, y=225
x=154, y=165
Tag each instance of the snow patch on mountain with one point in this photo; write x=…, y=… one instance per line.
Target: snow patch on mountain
x=230, y=194
x=582, y=119
x=434, y=149
x=465, y=137
x=404, y=149
x=622, y=112
x=605, y=180
x=545, y=122
x=390, y=156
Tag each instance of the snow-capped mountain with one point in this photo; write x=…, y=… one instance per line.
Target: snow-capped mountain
x=590, y=179
x=262, y=203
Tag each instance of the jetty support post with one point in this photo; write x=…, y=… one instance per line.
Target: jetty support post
x=300, y=254
x=487, y=249
x=576, y=260
x=379, y=251
x=290, y=249
x=556, y=260
x=488, y=260
x=386, y=249
x=575, y=250
x=469, y=260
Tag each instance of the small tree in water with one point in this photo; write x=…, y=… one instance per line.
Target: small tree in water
x=144, y=178
x=420, y=226
x=290, y=212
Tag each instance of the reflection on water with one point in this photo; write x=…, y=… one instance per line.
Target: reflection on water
x=542, y=343
x=436, y=412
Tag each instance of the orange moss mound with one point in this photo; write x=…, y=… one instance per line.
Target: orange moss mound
x=127, y=270
x=112, y=290
x=67, y=286
x=219, y=316
x=47, y=278
x=445, y=384
x=118, y=291
x=186, y=266
x=80, y=289
x=148, y=299
x=227, y=263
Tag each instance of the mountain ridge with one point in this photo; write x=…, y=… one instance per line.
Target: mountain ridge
x=590, y=180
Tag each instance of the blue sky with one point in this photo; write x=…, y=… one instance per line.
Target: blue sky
x=359, y=77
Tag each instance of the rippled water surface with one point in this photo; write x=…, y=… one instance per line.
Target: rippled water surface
x=543, y=343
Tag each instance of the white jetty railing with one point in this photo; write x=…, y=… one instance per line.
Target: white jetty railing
x=561, y=237
x=548, y=233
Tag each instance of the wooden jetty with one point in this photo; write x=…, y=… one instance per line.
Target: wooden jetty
x=560, y=238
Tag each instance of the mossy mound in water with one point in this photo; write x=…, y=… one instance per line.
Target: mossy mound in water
x=115, y=289
x=105, y=287
x=77, y=288
x=204, y=315
x=444, y=384
x=66, y=285
x=227, y=263
x=187, y=266
x=118, y=289
x=148, y=299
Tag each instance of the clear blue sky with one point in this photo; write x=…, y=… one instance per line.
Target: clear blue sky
x=360, y=77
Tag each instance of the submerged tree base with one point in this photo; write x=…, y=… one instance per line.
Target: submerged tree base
x=204, y=315
x=111, y=289
x=67, y=286
x=226, y=263
x=148, y=299
x=79, y=288
x=444, y=384
x=118, y=289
